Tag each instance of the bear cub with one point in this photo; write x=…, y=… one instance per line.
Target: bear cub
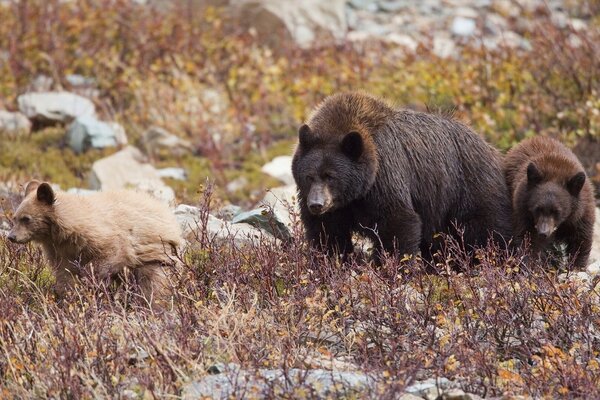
x=397, y=177
x=110, y=232
x=553, y=201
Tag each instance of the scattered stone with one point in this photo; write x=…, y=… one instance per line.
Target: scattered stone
x=408, y=396
x=463, y=26
x=261, y=383
x=173, y=173
x=55, y=107
x=157, y=141
x=392, y=6
x=430, y=388
x=402, y=40
x=127, y=169
x=14, y=124
x=280, y=168
x=80, y=80
x=87, y=132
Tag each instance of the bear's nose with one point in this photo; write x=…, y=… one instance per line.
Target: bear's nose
x=12, y=237
x=315, y=207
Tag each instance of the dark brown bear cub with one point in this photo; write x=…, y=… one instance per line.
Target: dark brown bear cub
x=552, y=199
x=397, y=177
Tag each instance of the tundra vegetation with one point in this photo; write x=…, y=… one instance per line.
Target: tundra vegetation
x=500, y=328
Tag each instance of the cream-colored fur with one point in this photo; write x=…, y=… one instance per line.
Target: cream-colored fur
x=107, y=232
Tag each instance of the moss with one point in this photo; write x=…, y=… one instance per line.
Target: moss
x=44, y=155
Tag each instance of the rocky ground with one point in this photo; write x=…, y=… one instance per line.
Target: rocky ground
x=406, y=27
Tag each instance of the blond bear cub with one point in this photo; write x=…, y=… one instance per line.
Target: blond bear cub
x=107, y=232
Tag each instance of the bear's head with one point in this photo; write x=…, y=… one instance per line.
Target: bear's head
x=551, y=201
x=333, y=169
x=31, y=221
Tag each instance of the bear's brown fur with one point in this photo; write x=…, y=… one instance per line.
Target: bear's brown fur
x=109, y=231
x=397, y=177
x=553, y=201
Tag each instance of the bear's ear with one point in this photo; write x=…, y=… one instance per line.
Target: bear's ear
x=45, y=194
x=575, y=184
x=31, y=186
x=304, y=136
x=352, y=145
x=534, y=176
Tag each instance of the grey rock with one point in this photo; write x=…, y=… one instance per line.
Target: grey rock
x=226, y=213
x=173, y=173
x=280, y=168
x=462, y=26
x=265, y=220
x=402, y=40
x=430, y=388
x=324, y=384
x=87, y=132
x=369, y=5
x=409, y=396
x=50, y=107
x=156, y=140
x=127, y=169
x=195, y=225
x=282, y=201
x=392, y=6
x=14, y=124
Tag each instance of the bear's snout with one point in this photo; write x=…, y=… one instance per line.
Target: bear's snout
x=545, y=226
x=319, y=199
x=12, y=237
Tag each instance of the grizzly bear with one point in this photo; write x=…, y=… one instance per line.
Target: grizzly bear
x=553, y=202
x=397, y=177
x=109, y=232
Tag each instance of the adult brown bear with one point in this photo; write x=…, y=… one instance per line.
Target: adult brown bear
x=553, y=201
x=397, y=177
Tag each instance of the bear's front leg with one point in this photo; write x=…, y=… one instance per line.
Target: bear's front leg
x=579, y=245
x=330, y=233
x=401, y=234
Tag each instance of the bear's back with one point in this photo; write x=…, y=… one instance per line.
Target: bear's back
x=135, y=222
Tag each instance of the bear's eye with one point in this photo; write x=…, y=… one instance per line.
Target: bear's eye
x=25, y=219
x=310, y=178
x=327, y=176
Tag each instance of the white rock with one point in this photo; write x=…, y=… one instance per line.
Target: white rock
x=173, y=173
x=55, y=106
x=402, y=40
x=282, y=200
x=14, y=123
x=87, y=132
x=280, y=168
x=127, y=169
x=463, y=26
x=443, y=46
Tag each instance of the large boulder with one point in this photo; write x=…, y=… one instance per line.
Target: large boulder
x=282, y=201
x=276, y=21
x=87, y=132
x=14, y=124
x=128, y=169
x=55, y=107
x=194, y=226
x=280, y=168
